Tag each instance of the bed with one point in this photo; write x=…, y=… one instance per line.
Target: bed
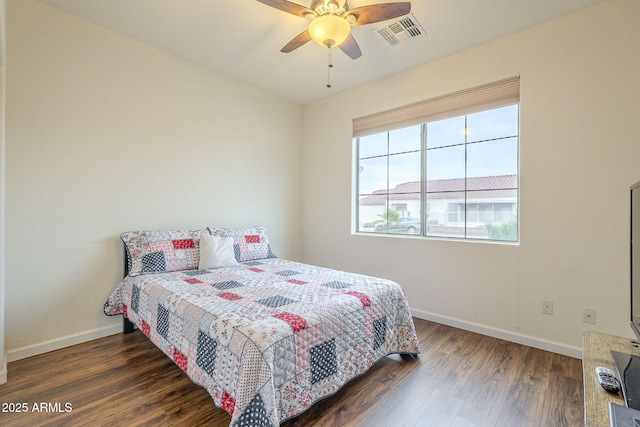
x=266, y=337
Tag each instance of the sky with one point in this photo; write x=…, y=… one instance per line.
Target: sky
x=491, y=149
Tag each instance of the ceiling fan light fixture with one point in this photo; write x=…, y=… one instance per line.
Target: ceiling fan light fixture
x=329, y=30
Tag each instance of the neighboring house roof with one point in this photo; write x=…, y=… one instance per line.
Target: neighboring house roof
x=500, y=185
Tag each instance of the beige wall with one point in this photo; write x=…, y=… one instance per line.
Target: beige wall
x=580, y=152
x=104, y=135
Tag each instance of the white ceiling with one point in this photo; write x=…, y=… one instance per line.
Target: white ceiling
x=243, y=38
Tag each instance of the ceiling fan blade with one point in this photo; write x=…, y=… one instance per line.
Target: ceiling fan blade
x=297, y=41
x=351, y=48
x=379, y=12
x=289, y=7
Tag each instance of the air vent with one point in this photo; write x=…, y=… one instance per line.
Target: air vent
x=400, y=31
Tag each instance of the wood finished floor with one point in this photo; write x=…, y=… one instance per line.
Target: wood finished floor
x=460, y=379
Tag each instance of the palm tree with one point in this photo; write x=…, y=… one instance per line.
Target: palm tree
x=390, y=216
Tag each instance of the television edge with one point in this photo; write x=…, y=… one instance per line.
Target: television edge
x=634, y=259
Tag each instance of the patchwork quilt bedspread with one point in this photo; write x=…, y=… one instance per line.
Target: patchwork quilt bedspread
x=268, y=338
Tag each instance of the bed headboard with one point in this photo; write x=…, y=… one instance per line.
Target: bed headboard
x=125, y=268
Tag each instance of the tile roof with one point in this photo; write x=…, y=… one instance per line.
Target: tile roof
x=499, y=185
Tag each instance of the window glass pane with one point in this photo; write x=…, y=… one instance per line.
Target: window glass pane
x=503, y=212
x=506, y=230
x=371, y=211
x=445, y=132
x=373, y=175
x=497, y=214
x=372, y=145
x=445, y=214
x=492, y=158
x=456, y=212
x=470, y=174
x=472, y=213
x=445, y=163
x=497, y=123
x=404, y=169
x=405, y=139
x=398, y=223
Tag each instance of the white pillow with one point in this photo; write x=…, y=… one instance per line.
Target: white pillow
x=216, y=252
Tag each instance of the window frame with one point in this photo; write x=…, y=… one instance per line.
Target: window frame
x=462, y=213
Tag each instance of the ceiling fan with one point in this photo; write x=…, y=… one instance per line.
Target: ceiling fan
x=331, y=21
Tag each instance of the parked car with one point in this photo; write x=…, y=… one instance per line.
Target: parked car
x=408, y=225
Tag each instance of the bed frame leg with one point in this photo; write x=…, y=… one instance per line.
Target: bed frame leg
x=127, y=326
x=408, y=356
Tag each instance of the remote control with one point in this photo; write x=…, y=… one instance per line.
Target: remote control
x=607, y=379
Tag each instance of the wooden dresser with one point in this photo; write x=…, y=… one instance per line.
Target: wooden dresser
x=597, y=352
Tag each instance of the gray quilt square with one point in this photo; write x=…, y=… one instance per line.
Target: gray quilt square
x=206, y=353
x=163, y=321
x=379, y=332
x=287, y=273
x=153, y=262
x=135, y=298
x=324, y=361
x=275, y=301
x=227, y=285
x=196, y=272
x=336, y=284
x=157, y=235
x=284, y=352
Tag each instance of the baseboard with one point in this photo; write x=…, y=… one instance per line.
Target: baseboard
x=58, y=343
x=69, y=340
x=530, y=341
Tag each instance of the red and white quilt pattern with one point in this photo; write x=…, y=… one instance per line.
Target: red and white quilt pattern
x=156, y=251
x=270, y=337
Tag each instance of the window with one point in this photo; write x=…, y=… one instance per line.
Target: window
x=452, y=176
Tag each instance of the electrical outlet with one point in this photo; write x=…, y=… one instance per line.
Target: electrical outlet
x=547, y=307
x=589, y=315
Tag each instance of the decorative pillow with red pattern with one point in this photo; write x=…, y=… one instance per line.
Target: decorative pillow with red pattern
x=248, y=243
x=157, y=251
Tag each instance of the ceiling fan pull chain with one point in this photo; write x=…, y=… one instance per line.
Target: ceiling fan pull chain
x=330, y=66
